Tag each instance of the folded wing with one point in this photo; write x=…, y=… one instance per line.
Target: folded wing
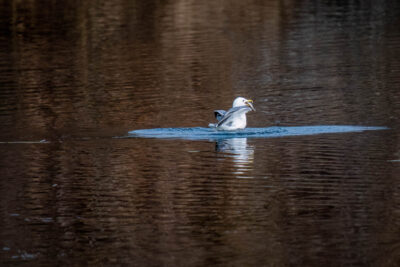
x=228, y=115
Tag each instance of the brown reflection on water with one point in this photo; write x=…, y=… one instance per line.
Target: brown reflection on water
x=100, y=67
x=182, y=203
x=79, y=74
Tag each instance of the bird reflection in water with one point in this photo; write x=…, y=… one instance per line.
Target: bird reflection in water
x=241, y=153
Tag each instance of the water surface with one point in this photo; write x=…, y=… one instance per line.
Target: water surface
x=75, y=77
x=200, y=133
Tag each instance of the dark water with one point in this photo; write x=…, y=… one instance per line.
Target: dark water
x=77, y=76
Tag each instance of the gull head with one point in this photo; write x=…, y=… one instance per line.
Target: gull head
x=241, y=101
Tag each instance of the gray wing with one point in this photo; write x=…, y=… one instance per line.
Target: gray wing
x=230, y=113
x=219, y=114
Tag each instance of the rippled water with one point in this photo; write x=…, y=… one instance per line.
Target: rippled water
x=79, y=188
x=199, y=133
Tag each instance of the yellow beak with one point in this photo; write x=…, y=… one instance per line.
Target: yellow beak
x=249, y=103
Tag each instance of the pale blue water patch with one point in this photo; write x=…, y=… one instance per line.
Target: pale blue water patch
x=26, y=142
x=200, y=133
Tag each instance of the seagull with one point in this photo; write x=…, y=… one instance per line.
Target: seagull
x=235, y=118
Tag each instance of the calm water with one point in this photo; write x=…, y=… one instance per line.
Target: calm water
x=76, y=77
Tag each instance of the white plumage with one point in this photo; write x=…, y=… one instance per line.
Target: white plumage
x=235, y=118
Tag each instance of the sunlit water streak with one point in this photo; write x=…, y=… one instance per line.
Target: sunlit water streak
x=268, y=132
